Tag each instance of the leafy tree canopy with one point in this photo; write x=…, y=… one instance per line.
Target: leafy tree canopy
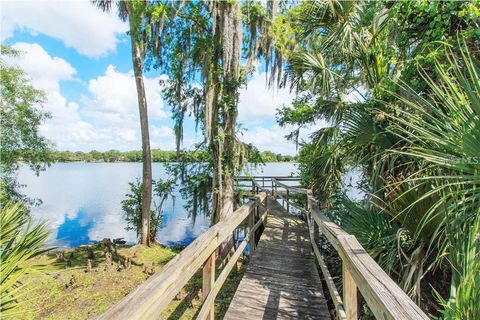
x=20, y=117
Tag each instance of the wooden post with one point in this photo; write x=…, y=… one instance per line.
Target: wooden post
x=315, y=231
x=209, y=281
x=309, y=200
x=251, y=223
x=288, y=203
x=349, y=294
x=265, y=209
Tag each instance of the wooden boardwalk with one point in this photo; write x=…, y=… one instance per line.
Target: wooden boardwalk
x=281, y=281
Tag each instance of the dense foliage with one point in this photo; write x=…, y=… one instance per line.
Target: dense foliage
x=20, y=117
x=398, y=84
x=157, y=156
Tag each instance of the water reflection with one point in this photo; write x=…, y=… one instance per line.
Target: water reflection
x=74, y=231
x=82, y=202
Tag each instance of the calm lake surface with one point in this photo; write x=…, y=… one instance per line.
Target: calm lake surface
x=82, y=202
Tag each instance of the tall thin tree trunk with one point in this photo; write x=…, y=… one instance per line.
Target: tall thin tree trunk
x=213, y=128
x=146, y=153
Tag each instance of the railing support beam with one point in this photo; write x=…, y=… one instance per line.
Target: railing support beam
x=209, y=281
x=251, y=223
x=288, y=201
x=349, y=294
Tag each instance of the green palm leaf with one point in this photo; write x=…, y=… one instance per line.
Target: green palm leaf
x=19, y=243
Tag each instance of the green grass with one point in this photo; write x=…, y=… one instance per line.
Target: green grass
x=65, y=291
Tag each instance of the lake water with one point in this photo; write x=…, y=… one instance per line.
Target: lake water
x=82, y=202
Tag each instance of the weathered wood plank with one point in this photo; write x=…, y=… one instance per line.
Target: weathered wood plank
x=281, y=281
x=280, y=178
x=251, y=222
x=209, y=301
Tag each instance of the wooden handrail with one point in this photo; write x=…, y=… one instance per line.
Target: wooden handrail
x=291, y=188
x=151, y=297
x=259, y=188
x=384, y=297
x=286, y=178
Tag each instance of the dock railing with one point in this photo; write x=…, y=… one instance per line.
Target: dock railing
x=384, y=297
x=360, y=272
x=149, y=299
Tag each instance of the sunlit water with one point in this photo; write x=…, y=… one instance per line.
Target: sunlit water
x=81, y=202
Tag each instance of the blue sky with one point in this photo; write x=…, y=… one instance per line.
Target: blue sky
x=81, y=58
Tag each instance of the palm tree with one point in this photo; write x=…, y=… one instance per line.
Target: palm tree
x=442, y=131
x=418, y=151
x=134, y=11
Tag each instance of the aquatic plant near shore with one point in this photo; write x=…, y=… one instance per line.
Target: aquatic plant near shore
x=132, y=206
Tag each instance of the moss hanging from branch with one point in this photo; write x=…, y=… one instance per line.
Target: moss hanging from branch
x=202, y=54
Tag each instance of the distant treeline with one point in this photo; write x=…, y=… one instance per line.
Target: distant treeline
x=157, y=156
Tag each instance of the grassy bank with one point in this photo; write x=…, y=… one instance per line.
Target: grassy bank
x=63, y=289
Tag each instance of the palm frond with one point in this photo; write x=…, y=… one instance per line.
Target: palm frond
x=19, y=243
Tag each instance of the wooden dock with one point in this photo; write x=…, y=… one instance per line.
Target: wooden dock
x=281, y=280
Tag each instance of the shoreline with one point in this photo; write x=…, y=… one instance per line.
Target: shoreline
x=94, y=280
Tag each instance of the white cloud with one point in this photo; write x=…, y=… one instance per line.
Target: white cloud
x=162, y=132
x=79, y=24
x=273, y=139
x=112, y=107
x=114, y=98
x=45, y=71
x=107, y=115
x=108, y=118
x=111, y=225
x=129, y=135
x=163, y=138
x=257, y=101
x=65, y=127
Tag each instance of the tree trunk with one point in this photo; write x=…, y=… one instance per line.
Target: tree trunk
x=228, y=196
x=232, y=47
x=228, y=33
x=137, y=58
x=215, y=144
